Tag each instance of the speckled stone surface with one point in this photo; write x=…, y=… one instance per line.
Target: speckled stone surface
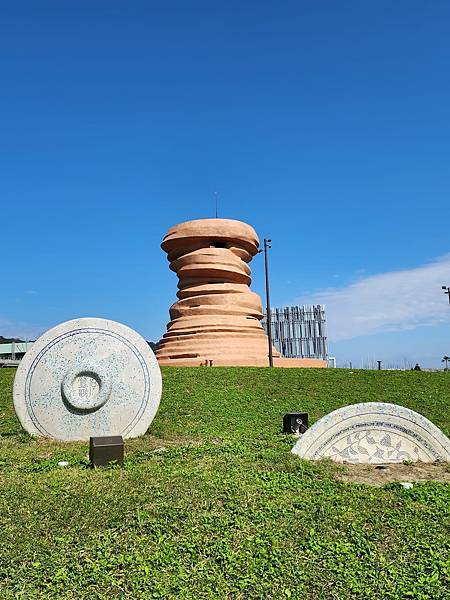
x=88, y=377
x=374, y=433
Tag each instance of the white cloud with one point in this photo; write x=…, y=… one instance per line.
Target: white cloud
x=393, y=301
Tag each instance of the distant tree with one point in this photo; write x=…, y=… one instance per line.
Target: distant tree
x=6, y=340
x=153, y=345
x=446, y=359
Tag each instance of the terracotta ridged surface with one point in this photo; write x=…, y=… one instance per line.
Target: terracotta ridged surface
x=217, y=317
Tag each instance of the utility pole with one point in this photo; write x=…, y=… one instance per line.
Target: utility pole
x=445, y=287
x=268, y=312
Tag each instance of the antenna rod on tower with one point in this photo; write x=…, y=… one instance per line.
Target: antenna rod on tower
x=216, y=194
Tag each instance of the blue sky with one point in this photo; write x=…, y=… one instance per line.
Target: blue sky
x=326, y=125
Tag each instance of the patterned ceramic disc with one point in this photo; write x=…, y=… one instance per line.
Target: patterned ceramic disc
x=88, y=377
x=376, y=433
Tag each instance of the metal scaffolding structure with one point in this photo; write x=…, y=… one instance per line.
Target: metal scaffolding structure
x=299, y=331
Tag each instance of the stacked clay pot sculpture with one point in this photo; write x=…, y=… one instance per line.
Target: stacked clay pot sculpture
x=216, y=320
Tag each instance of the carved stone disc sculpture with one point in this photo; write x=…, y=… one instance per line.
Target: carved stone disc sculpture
x=217, y=317
x=88, y=377
x=374, y=433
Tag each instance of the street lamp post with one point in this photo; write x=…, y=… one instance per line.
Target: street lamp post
x=268, y=313
x=447, y=288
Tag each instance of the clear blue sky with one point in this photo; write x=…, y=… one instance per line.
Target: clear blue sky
x=326, y=125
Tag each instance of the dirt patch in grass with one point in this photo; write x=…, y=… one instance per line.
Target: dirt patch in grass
x=380, y=474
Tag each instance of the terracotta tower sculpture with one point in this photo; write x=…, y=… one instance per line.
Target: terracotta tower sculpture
x=217, y=317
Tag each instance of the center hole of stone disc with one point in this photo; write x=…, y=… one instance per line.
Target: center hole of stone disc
x=86, y=386
x=86, y=390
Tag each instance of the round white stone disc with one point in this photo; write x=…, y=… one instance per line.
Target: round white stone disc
x=373, y=433
x=88, y=377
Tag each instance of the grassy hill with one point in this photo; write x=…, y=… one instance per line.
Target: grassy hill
x=211, y=504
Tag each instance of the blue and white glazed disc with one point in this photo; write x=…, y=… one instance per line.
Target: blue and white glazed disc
x=88, y=377
x=374, y=433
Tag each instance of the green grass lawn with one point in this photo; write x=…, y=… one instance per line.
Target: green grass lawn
x=225, y=511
